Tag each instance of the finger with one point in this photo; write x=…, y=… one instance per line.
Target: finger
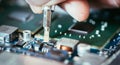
x=53, y=2
x=104, y=3
x=44, y=2
x=38, y=5
x=78, y=9
x=37, y=2
x=36, y=9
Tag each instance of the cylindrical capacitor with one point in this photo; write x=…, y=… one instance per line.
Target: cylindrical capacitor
x=26, y=35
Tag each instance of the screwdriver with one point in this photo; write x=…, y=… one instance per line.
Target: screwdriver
x=47, y=12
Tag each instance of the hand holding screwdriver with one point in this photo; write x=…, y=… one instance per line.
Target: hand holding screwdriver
x=78, y=9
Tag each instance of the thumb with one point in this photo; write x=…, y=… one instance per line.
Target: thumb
x=78, y=9
x=37, y=5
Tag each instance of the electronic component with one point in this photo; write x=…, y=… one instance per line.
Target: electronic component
x=26, y=35
x=36, y=47
x=112, y=46
x=45, y=48
x=21, y=16
x=20, y=43
x=8, y=33
x=82, y=28
x=66, y=44
x=55, y=54
x=3, y=38
x=83, y=49
x=28, y=20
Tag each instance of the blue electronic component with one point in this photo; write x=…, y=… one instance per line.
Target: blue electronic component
x=113, y=42
x=113, y=45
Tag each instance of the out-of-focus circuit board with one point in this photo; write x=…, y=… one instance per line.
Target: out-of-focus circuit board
x=95, y=41
x=22, y=18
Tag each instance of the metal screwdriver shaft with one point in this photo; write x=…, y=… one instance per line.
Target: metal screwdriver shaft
x=46, y=22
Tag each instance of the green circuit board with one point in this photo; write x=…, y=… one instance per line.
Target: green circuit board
x=33, y=25
x=60, y=25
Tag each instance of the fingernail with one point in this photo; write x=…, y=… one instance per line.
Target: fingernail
x=36, y=2
x=36, y=9
x=52, y=2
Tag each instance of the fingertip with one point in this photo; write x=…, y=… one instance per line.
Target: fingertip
x=78, y=9
x=54, y=2
x=36, y=9
x=37, y=5
x=37, y=2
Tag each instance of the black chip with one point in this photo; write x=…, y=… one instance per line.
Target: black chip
x=82, y=28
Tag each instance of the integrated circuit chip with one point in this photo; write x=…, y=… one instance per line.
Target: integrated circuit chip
x=21, y=16
x=82, y=28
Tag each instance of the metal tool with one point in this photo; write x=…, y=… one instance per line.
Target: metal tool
x=47, y=21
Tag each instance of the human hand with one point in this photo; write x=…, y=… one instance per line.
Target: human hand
x=78, y=9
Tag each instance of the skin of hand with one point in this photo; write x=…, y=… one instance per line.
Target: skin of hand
x=78, y=9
